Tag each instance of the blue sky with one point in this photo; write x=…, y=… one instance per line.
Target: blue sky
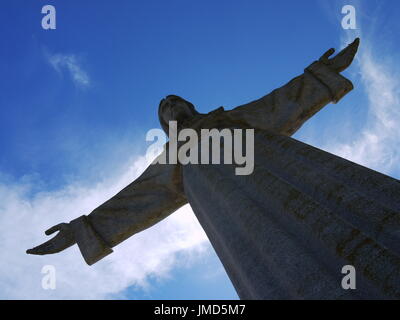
x=77, y=102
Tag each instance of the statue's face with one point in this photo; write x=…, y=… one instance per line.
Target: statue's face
x=175, y=108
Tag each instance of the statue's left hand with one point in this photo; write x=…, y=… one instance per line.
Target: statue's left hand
x=343, y=59
x=63, y=240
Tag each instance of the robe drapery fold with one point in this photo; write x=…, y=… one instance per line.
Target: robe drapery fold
x=286, y=230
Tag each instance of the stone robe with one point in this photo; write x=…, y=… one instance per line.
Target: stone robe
x=286, y=230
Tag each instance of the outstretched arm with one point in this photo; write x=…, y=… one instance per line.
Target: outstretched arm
x=157, y=193
x=285, y=110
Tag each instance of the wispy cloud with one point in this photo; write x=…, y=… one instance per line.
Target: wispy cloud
x=71, y=64
x=153, y=252
x=376, y=146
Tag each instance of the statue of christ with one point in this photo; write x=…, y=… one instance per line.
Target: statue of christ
x=286, y=230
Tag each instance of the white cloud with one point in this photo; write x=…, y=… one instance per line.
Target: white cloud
x=24, y=218
x=70, y=62
x=377, y=143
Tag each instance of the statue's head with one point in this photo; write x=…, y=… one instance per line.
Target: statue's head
x=174, y=108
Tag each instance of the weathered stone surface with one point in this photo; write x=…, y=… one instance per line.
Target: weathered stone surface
x=286, y=231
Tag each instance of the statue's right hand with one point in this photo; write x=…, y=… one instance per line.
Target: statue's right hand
x=343, y=59
x=63, y=240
